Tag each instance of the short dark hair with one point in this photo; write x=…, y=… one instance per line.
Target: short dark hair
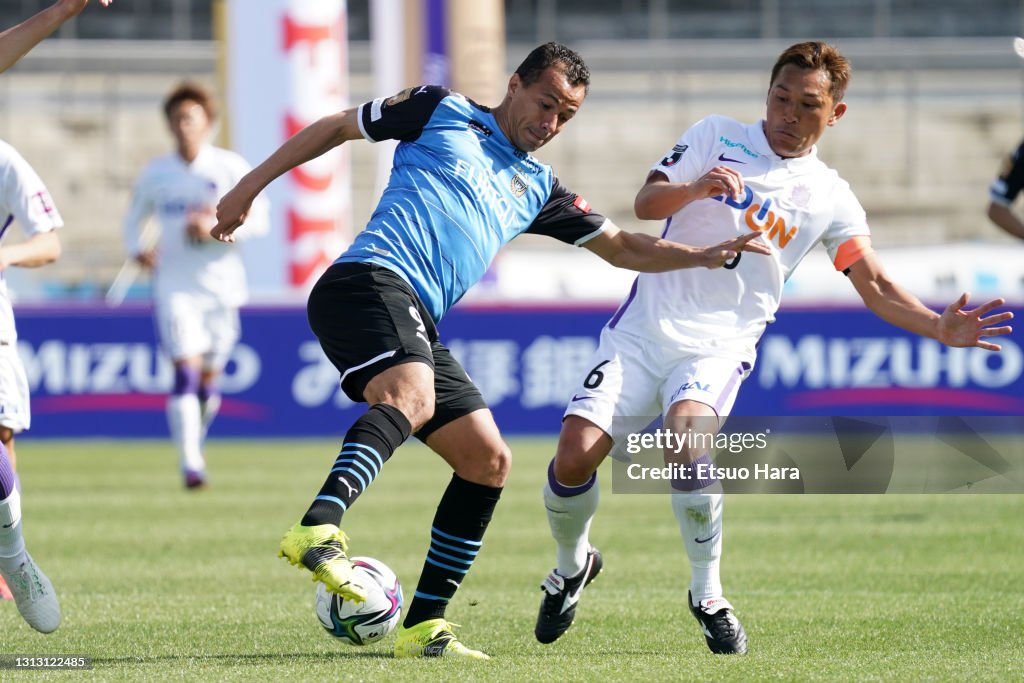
x=818, y=55
x=554, y=54
x=192, y=92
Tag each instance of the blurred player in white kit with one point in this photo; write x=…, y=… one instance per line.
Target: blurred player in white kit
x=198, y=282
x=25, y=200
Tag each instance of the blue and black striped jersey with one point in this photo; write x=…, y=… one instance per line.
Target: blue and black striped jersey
x=459, y=190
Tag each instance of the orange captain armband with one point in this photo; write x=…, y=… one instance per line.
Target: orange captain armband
x=851, y=251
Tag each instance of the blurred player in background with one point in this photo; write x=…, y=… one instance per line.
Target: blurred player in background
x=682, y=342
x=1004, y=191
x=198, y=282
x=464, y=184
x=23, y=198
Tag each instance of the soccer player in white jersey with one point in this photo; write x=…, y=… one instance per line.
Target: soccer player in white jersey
x=683, y=341
x=23, y=198
x=198, y=282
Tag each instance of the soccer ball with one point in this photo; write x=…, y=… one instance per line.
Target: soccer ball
x=362, y=623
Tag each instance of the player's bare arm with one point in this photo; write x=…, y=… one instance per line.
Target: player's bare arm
x=309, y=143
x=956, y=326
x=659, y=198
x=38, y=250
x=16, y=41
x=649, y=254
x=1005, y=218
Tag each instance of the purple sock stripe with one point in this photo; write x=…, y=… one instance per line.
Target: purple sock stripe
x=564, y=491
x=205, y=392
x=691, y=483
x=186, y=381
x=8, y=480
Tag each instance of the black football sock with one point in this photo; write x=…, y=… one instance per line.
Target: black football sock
x=455, y=539
x=367, y=446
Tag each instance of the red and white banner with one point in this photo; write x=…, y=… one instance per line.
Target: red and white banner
x=285, y=67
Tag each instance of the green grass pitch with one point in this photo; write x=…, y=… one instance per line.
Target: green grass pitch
x=158, y=583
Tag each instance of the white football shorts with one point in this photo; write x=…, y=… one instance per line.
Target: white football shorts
x=14, y=400
x=193, y=326
x=632, y=381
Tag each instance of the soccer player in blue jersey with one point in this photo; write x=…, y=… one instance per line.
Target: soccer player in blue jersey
x=463, y=184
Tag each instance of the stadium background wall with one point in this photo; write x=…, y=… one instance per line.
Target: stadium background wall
x=98, y=372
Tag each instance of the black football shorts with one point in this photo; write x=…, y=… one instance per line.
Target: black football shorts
x=369, y=319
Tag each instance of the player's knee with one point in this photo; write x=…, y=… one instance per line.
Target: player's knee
x=500, y=462
x=573, y=468
x=417, y=406
x=409, y=388
x=490, y=465
x=581, y=448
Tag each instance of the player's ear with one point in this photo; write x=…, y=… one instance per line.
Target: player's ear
x=514, y=84
x=837, y=113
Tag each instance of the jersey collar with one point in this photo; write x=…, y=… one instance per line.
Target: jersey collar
x=204, y=150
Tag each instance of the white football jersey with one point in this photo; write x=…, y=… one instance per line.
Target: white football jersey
x=23, y=198
x=170, y=188
x=795, y=203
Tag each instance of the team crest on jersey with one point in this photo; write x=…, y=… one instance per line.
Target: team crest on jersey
x=800, y=196
x=673, y=158
x=519, y=185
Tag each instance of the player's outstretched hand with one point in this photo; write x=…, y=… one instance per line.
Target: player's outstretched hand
x=959, y=327
x=729, y=251
x=231, y=213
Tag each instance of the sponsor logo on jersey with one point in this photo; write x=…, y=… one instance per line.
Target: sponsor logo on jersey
x=760, y=217
x=519, y=185
x=722, y=157
x=581, y=204
x=673, y=158
x=738, y=146
x=527, y=166
x=479, y=127
x=484, y=185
